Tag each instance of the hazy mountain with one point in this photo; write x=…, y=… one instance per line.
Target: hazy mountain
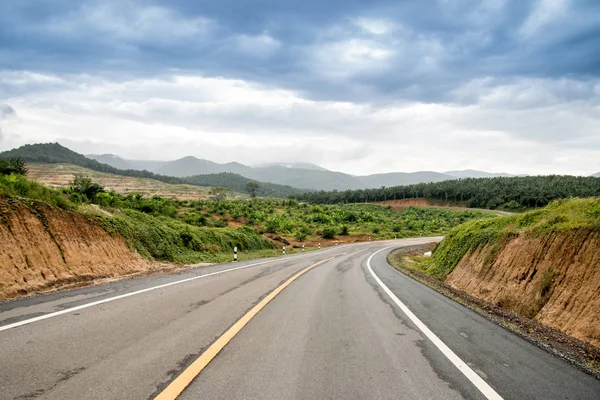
x=300, y=175
x=190, y=166
x=121, y=163
x=305, y=178
x=297, y=175
x=402, y=178
x=112, y=160
x=597, y=175
x=148, y=165
x=471, y=173
x=310, y=166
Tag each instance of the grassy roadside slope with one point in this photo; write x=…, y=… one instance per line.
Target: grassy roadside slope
x=575, y=216
x=543, y=264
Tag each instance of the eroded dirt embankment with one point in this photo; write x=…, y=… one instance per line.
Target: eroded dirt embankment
x=554, y=279
x=43, y=247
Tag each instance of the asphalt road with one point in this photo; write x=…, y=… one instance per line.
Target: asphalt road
x=333, y=333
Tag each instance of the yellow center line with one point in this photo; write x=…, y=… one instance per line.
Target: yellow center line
x=182, y=381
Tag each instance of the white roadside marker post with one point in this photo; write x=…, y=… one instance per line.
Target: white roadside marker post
x=283, y=251
x=303, y=247
x=235, y=254
x=319, y=245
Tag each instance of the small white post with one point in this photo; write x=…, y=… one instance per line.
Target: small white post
x=235, y=254
x=283, y=250
x=369, y=238
x=303, y=247
x=319, y=245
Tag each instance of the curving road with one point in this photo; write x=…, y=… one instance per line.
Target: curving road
x=349, y=328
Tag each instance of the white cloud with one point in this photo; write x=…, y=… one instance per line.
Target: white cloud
x=18, y=78
x=526, y=93
x=544, y=13
x=375, y=26
x=129, y=21
x=260, y=45
x=343, y=59
x=234, y=120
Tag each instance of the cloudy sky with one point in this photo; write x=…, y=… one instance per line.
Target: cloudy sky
x=357, y=86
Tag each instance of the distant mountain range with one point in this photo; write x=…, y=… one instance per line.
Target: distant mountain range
x=300, y=175
x=54, y=153
x=597, y=175
x=276, y=180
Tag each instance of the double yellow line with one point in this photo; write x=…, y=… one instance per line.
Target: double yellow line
x=176, y=387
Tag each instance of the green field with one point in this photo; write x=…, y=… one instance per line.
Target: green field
x=301, y=221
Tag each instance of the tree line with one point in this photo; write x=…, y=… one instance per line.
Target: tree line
x=500, y=192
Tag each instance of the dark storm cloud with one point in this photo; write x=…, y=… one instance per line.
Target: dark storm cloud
x=319, y=48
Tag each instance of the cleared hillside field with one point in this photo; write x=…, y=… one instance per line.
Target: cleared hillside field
x=59, y=176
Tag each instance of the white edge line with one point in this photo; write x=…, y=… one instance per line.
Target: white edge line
x=479, y=383
x=122, y=296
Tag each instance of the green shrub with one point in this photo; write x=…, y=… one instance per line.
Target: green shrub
x=272, y=226
x=165, y=239
x=20, y=186
x=329, y=232
x=300, y=236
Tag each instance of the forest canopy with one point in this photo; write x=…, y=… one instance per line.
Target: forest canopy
x=501, y=192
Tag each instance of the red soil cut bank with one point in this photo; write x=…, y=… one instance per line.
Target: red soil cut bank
x=554, y=279
x=43, y=247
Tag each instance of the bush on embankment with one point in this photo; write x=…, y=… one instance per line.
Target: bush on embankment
x=166, y=239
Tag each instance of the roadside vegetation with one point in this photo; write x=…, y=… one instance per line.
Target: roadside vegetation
x=582, y=215
x=302, y=221
x=189, y=231
x=509, y=193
